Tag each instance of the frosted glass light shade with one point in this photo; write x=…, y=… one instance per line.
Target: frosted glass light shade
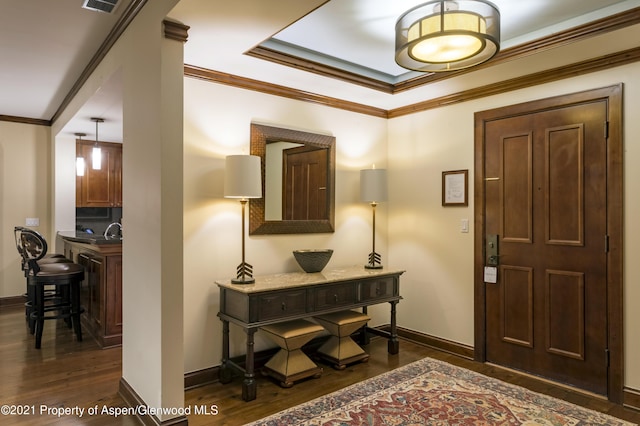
x=373, y=185
x=446, y=48
x=96, y=158
x=447, y=35
x=79, y=166
x=242, y=177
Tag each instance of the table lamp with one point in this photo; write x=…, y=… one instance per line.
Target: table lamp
x=242, y=179
x=373, y=189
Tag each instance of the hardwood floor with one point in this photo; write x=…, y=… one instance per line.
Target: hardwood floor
x=66, y=373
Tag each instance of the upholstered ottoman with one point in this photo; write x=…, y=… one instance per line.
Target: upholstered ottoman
x=290, y=363
x=340, y=349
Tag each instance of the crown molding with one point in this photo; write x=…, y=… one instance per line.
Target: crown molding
x=176, y=31
x=598, y=27
x=277, y=90
x=293, y=61
x=25, y=120
x=596, y=64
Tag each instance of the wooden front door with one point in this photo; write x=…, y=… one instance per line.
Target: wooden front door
x=545, y=198
x=305, y=184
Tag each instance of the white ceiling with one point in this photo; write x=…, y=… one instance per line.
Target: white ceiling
x=45, y=45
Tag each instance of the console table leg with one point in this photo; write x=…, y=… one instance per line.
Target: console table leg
x=249, y=385
x=225, y=374
x=363, y=336
x=393, y=346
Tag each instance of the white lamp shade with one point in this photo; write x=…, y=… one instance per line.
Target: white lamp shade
x=373, y=185
x=242, y=177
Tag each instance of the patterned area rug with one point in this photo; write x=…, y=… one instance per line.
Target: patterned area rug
x=432, y=392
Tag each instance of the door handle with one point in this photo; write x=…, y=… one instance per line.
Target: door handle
x=491, y=250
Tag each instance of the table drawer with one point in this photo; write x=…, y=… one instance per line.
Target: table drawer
x=279, y=305
x=378, y=288
x=327, y=297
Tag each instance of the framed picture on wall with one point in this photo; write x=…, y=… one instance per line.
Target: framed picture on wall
x=455, y=188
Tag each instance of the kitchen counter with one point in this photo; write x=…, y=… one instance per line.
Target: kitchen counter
x=86, y=238
x=101, y=290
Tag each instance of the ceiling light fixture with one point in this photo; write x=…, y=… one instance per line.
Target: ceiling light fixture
x=447, y=35
x=96, y=154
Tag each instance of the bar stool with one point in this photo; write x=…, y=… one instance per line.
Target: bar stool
x=290, y=363
x=37, y=246
x=63, y=278
x=340, y=349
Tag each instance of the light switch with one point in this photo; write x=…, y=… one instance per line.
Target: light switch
x=464, y=225
x=32, y=221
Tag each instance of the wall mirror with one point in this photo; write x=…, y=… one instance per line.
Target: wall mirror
x=298, y=181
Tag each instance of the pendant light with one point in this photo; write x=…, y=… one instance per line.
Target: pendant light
x=447, y=35
x=96, y=154
x=80, y=160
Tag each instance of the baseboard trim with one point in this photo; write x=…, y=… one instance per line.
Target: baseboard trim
x=438, y=343
x=11, y=301
x=132, y=399
x=631, y=398
x=202, y=377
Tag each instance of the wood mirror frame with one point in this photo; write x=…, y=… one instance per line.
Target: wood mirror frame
x=261, y=135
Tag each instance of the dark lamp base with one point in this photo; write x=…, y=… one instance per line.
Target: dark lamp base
x=244, y=273
x=368, y=266
x=247, y=280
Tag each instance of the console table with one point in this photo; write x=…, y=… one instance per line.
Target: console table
x=283, y=297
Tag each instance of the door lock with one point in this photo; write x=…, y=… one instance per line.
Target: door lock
x=491, y=251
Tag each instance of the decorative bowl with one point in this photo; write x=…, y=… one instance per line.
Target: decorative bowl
x=313, y=260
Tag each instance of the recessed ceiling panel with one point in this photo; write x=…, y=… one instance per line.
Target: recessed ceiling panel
x=358, y=35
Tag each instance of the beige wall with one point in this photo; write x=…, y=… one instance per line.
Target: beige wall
x=423, y=237
x=25, y=192
x=212, y=239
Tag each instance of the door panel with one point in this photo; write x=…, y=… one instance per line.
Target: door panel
x=564, y=300
x=516, y=193
x=564, y=183
x=545, y=197
x=517, y=305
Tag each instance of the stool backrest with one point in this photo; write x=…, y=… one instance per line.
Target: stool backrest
x=16, y=234
x=31, y=245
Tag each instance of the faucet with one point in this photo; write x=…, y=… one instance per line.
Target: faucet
x=106, y=232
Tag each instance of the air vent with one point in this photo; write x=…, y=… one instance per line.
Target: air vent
x=106, y=6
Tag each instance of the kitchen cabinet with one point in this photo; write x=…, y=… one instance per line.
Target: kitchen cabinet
x=101, y=290
x=101, y=187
